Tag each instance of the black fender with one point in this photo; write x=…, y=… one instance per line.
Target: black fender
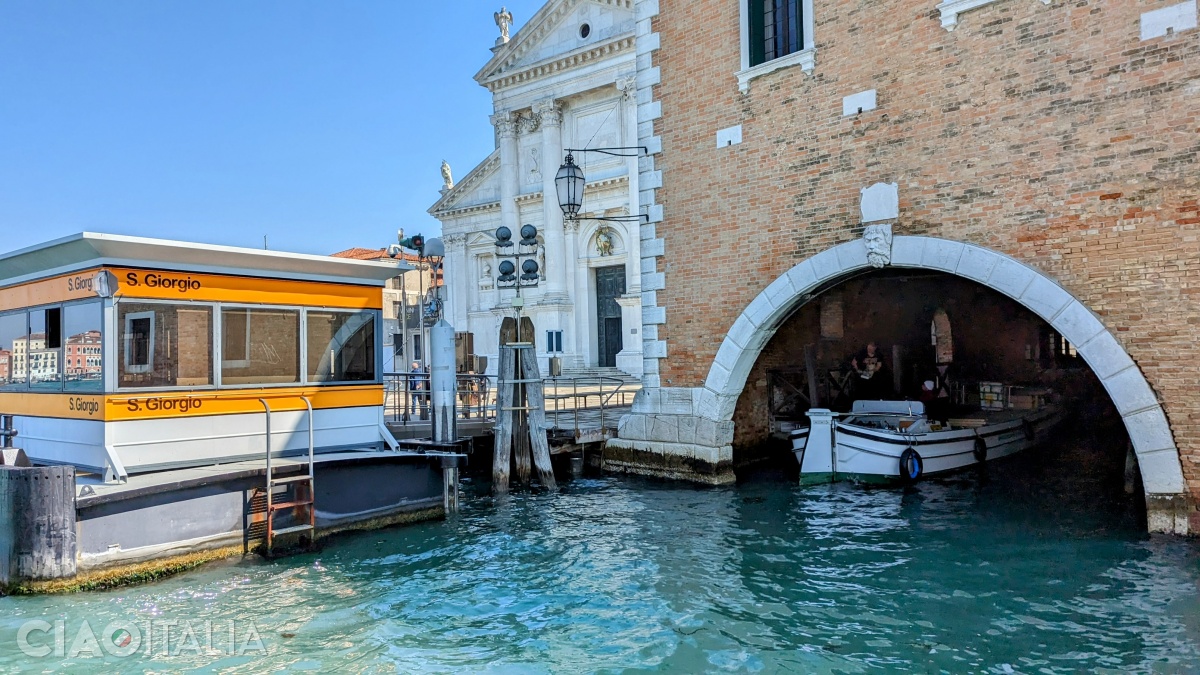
x=1027, y=427
x=911, y=465
x=981, y=450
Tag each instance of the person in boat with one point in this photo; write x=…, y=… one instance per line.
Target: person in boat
x=868, y=365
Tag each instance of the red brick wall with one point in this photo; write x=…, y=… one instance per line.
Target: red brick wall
x=1047, y=132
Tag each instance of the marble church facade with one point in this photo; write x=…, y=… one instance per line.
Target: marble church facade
x=566, y=79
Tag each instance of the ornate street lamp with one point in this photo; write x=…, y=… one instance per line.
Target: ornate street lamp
x=435, y=252
x=510, y=255
x=570, y=182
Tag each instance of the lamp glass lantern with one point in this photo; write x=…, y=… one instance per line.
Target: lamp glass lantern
x=569, y=182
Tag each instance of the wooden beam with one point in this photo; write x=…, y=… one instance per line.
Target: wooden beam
x=506, y=369
x=537, y=418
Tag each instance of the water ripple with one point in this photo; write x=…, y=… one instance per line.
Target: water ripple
x=618, y=575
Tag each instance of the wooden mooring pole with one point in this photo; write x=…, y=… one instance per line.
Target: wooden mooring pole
x=506, y=369
x=521, y=417
x=37, y=523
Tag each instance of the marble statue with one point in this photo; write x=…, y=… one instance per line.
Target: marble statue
x=447, y=179
x=485, y=279
x=878, y=239
x=504, y=19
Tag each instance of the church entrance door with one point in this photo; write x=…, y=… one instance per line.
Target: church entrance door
x=610, y=285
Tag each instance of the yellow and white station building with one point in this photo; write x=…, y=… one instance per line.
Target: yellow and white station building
x=129, y=355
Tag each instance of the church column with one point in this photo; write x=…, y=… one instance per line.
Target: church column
x=627, y=85
x=506, y=128
x=550, y=112
x=456, y=267
x=576, y=269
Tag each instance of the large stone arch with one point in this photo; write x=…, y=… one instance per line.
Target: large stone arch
x=1158, y=457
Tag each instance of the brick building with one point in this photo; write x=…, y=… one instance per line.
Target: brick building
x=1044, y=151
x=82, y=359
x=403, y=296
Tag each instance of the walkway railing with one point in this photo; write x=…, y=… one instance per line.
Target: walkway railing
x=574, y=395
x=567, y=398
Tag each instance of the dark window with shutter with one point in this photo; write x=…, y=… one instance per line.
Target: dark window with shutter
x=775, y=29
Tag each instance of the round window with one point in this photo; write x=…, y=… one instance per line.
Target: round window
x=584, y=31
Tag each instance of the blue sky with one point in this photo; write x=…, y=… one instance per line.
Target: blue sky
x=319, y=124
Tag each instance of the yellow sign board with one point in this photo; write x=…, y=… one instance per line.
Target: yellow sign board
x=169, y=285
x=159, y=405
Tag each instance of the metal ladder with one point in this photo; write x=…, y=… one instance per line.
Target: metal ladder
x=301, y=487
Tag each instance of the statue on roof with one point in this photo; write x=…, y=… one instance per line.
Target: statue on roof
x=447, y=179
x=504, y=19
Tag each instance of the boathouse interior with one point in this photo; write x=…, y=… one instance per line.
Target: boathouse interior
x=928, y=327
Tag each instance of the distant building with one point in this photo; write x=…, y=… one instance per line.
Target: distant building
x=402, y=297
x=565, y=80
x=5, y=365
x=32, y=359
x=83, y=355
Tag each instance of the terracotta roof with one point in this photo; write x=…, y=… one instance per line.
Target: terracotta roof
x=362, y=253
x=358, y=253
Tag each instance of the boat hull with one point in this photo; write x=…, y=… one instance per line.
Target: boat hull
x=851, y=452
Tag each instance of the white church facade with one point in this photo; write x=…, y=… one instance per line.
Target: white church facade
x=565, y=80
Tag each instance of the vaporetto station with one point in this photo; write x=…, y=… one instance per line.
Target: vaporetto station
x=162, y=372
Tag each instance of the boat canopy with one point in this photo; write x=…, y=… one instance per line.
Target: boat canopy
x=889, y=407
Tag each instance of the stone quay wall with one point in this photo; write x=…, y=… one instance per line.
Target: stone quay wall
x=1064, y=135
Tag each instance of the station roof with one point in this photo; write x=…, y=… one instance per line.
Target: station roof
x=90, y=249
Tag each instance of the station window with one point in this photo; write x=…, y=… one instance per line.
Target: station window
x=14, y=331
x=341, y=346
x=260, y=346
x=44, y=355
x=82, y=360
x=164, y=345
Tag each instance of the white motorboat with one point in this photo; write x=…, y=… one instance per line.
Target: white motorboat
x=883, y=441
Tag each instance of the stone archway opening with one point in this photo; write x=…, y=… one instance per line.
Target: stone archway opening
x=1075, y=332
x=944, y=338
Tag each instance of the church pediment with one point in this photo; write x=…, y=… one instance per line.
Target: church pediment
x=562, y=35
x=480, y=187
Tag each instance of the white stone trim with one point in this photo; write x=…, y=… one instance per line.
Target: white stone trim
x=805, y=58
x=649, y=181
x=950, y=9
x=1142, y=413
x=1168, y=20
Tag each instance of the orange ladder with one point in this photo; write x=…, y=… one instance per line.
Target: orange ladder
x=301, y=487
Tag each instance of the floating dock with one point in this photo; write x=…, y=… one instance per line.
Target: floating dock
x=197, y=399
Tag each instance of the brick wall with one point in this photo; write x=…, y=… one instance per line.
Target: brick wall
x=1047, y=132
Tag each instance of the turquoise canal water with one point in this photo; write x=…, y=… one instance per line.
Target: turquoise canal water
x=1033, y=569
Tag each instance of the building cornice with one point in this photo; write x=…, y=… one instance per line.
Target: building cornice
x=526, y=198
x=503, y=79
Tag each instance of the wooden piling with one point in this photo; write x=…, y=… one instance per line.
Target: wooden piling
x=897, y=368
x=37, y=523
x=810, y=369
x=522, y=470
x=537, y=420
x=506, y=369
